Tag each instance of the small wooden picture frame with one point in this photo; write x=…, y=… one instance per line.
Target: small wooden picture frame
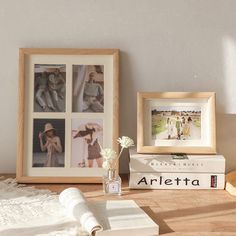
x=176, y=122
x=68, y=109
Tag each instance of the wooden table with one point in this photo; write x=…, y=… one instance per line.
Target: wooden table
x=177, y=212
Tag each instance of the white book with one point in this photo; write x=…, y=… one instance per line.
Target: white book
x=171, y=163
x=104, y=218
x=176, y=180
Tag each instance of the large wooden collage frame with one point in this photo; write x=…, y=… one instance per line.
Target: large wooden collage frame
x=109, y=56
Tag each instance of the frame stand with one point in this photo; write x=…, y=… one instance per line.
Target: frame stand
x=179, y=156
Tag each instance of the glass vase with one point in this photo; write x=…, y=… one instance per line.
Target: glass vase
x=112, y=182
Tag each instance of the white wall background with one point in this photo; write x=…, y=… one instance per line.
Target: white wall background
x=166, y=45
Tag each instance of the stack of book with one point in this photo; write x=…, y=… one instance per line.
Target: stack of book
x=148, y=171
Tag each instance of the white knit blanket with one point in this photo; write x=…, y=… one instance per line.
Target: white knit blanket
x=26, y=211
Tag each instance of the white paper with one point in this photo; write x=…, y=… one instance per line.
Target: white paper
x=75, y=203
x=123, y=217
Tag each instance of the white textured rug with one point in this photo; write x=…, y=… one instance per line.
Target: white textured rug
x=26, y=211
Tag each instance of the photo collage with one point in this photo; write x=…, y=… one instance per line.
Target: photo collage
x=50, y=98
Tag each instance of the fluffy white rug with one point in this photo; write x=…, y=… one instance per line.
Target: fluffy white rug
x=26, y=211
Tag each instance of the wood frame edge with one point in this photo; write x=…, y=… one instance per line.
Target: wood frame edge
x=23, y=52
x=141, y=96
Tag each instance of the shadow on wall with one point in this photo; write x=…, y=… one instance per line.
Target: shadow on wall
x=191, y=49
x=128, y=110
x=226, y=118
x=226, y=125
x=226, y=136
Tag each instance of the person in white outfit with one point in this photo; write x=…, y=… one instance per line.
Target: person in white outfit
x=42, y=95
x=93, y=95
x=56, y=85
x=170, y=128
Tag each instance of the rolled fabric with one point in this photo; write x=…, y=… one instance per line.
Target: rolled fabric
x=76, y=205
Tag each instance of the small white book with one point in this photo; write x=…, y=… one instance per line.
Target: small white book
x=113, y=217
x=171, y=163
x=176, y=180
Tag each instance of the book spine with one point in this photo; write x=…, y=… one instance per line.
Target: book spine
x=198, y=165
x=176, y=181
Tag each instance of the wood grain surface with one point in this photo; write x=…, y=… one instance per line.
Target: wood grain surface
x=177, y=212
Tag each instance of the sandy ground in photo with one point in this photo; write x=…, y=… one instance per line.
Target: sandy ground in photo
x=195, y=133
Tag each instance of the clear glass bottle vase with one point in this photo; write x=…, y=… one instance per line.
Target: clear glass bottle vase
x=112, y=182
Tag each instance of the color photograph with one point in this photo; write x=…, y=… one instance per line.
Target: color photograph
x=88, y=88
x=49, y=88
x=87, y=137
x=178, y=123
x=48, y=143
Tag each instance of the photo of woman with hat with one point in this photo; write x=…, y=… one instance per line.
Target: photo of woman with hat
x=48, y=144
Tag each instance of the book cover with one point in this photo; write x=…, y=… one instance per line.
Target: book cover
x=176, y=180
x=176, y=163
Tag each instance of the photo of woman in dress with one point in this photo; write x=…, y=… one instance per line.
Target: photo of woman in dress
x=52, y=145
x=86, y=141
x=47, y=144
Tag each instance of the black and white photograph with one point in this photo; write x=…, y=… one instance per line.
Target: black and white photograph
x=87, y=140
x=88, y=88
x=48, y=143
x=49, y=87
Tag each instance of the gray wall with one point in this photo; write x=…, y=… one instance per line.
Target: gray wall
x=168, y=45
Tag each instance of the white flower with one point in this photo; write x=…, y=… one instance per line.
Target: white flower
x=125, y=142
x=108, y=153
x=110, y=157
x=106, y=165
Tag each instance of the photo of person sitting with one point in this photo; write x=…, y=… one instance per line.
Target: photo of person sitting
x=42, y=93
x=49, y=89
x=93, y=95
x=56, y=87
x=88, y=91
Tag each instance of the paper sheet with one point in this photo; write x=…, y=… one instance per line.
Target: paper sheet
x=75, y=203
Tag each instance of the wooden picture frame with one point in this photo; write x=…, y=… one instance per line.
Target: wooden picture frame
x=68, y=108
x=158, y=129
